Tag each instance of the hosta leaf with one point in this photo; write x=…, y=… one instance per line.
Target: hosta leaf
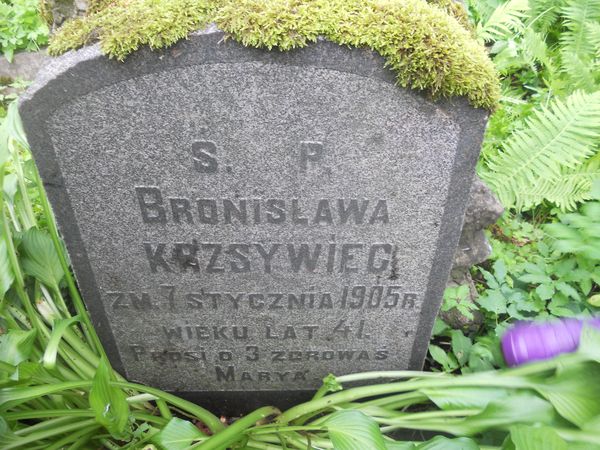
x=39, y=258
x=6, y=274
x=14, y=396
x=13, y=125
x=353, y=430
x=437, y=443
x=399, y=445
x=58, y=329
x=574, y=392
x=536, y=438
x=108, y=402
x=7, y=436
x=444, y=443
x=177, y=435
x=524, y=408
x=10, y=187
x=464, y=397
x=589, y=343
x=15, y=347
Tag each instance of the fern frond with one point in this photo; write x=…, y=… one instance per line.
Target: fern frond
x=549, y=142
x=578, y=15
x=544, y=13
x=506, y=19
x=573, y=186
x=535, y=48
x=583, y=74
x=593, y=33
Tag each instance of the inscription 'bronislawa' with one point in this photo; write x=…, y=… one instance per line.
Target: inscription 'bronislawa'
x=161, y=209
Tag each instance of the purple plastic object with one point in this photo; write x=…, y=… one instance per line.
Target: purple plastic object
x=536, y=341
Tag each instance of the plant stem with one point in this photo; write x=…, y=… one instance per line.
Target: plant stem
x=164, y=409
x=46, y=413
x=88, y=329
x=234, y=432
x=256, y=445
x=278, y=429
x=209, y=419
x=410, y=417
x=52, y=423
x=48, y=433
x=87, y=432
x=479, y=380
x=398, y=401
x=30, y=217
x=364, y=376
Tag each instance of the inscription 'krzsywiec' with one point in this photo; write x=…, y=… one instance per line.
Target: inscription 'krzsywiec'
x=213, y=257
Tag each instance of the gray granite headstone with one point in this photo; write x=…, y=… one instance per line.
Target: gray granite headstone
x=243, y=222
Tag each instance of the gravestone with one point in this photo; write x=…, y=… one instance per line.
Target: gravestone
x=243, y=222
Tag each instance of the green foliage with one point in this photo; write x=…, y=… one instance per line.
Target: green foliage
x=545, y=146
x=109, y=402
x=454, y=297
x=39, y=258
x=532, y=438
x=504, y=21
x=21, y=27
x=9, y=91
x=578, y=233
x=350, y=429
x=179, y=434
x=541, y=146
x=537, y=273
x=426, y=46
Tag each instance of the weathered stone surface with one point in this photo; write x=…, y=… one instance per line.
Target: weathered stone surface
x=61, y=10
x=483, y=209
x=243, y=222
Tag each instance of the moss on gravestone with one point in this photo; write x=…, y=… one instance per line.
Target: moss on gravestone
x=428, y=44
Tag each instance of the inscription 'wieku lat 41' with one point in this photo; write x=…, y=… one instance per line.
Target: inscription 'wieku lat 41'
x=243, y=222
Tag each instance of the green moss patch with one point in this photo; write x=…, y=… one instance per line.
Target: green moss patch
x=428, y=44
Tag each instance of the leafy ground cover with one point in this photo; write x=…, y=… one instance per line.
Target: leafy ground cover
x=21, y=26
x=540, y=155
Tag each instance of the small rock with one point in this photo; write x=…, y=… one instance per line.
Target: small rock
x=25, y=65
x=482, y=211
